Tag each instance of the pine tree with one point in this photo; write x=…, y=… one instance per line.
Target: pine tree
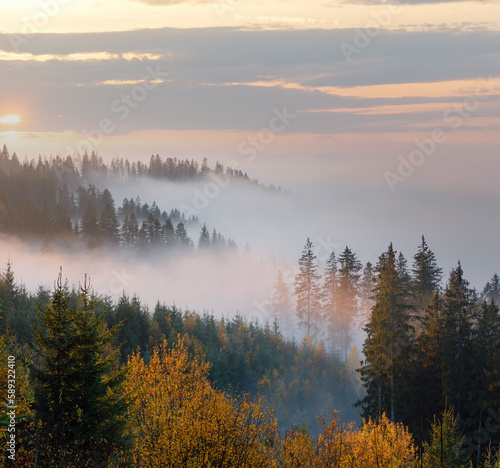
x=347, y=297
x=366, y=285
x=124, y=230
x=217, y=241
x=134, y=325
x=458, y=318
x=403, y=271
x=329, y=299
x=4, y=155
x=153, y=231
x=62, y=222
x=204, y=242
x=426, y=276
x=491, y=291
x=8, y=296
x=130, y=231
x=182, y=237
x=142, y=237
x=109, y=225
x=445, y=448
x=427, y=384
x=307, y=291
x=90, y=228
x=78, y=399
x=388, y=340
x=204, y=167
x=281, y=304
x=64, y=199
x=168, y=234
x=486, y=378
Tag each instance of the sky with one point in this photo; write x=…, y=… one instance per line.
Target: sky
x=381, y=119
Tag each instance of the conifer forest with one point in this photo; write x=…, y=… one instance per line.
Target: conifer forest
x=103, y=381
x=249, y=234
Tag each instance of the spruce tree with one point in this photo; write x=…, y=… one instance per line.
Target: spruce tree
x=125, y=229
x=168, y=234
x=62, y=222
x=153, y=231
x=426, y=276
x=8, y=296
x=64, y=199
x=366, y=285
x=134, y=325
x=458, y=318
x=281, y=304
x=427, y=385
x=217, y=241
x=142, y=237
x=79, y=404
x=307, y=291
x=4, y=155
x=491, y=291
x=131, y=233
x=403, y=271
x=90, y=228
x=388, y=340
x=445, y=447
x=109, y=225
x=347, y=298
x=204, y=242
x=329, y=297
x=486, y=378
x=182, y=237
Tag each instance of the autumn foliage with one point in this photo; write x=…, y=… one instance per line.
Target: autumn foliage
x=179, y=419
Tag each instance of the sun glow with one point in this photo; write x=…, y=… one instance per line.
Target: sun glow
x=10, y=119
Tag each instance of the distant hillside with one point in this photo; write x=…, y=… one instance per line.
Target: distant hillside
x=56, y=198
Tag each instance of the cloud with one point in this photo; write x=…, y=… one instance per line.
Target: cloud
x=222, y=79
x=177, y=2
x=411, y=2
x=333, y=155
x=220, y=55
x=173, y=2
x=224, y=285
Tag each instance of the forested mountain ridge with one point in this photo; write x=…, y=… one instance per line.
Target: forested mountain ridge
x=431, y=362
x=427, y=381
x=217, y=361
x=298, y=380
x=92, y=168
x=60, y=199
x=428, y=346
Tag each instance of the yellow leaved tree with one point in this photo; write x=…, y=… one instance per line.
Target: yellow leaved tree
x=381, y=444
x=179, y=419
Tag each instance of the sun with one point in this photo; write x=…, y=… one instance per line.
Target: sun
x=10, y=119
